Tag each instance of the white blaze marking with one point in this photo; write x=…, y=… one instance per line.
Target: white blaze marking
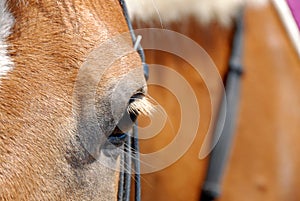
x=6, y=23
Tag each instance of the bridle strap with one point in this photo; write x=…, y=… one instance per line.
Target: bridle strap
x=130, y=159
x=125, y=172
x=133, y=36
x=219, y=156
x=136, y=163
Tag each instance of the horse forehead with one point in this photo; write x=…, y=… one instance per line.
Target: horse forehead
x=59, y=35
x=74, y=16
x=50, y=42
x=68, y=28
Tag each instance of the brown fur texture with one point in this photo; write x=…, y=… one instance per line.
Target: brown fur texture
x=39, y=144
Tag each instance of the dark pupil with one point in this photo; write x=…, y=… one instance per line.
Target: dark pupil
x=119, y=135
x=117, y=139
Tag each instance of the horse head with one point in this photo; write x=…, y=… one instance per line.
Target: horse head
x=67, y=73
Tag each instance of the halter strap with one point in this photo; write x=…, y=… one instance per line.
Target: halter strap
x=129, y=162
x=134, y=39
x=131, y=156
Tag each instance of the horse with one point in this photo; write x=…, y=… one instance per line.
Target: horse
x=263, y=162
x=68, y=75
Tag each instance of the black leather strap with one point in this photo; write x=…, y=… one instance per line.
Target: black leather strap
x=131, y=156
x=219, y=155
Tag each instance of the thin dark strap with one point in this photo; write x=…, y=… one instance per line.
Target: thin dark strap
x=219, y=155
x=121, y=178
x=125, y=172
x=136, y=163
x=130, y=155
x=139, y=49
x=128, y=168
x=127, y=18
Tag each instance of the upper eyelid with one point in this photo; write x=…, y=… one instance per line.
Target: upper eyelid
x=142, y=90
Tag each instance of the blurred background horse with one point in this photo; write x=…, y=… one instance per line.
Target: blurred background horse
x=264, y=158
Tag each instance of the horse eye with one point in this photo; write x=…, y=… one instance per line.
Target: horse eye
x=118, y=136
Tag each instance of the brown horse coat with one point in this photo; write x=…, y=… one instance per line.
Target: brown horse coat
x=41, y=153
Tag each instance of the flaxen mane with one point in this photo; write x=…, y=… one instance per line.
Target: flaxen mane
x=204, y=11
